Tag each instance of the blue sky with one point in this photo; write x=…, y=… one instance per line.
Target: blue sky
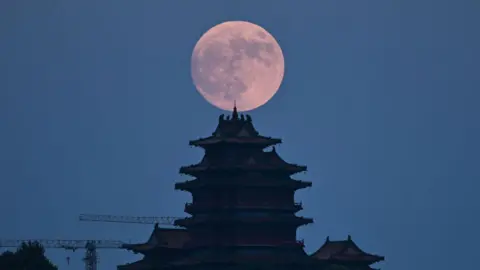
x=379, y=100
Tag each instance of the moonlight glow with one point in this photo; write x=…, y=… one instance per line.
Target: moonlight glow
x=237, y=61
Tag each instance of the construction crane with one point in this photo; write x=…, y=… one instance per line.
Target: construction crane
x=90, y=246
x=129, y=219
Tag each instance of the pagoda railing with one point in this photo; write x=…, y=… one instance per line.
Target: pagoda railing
x=193, y=207
x=292, y=183
x=227, y=219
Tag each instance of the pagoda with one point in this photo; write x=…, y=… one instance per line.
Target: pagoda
x=243, y=213
x=243, y=208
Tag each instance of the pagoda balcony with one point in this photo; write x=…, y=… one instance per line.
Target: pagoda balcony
x=260, y=141
x=192, y=208
x=191, y=185
x=198, y=170
x=229, y=219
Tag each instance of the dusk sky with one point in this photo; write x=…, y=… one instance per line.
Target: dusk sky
x=379, y=100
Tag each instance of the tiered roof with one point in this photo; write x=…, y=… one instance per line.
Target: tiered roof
x=163, y=246
x=237, y=129
x=254, y=182
x=169, y=238
x=259, y=161
x=344, y=251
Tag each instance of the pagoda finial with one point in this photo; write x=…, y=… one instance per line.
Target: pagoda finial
x=235, y=113
x=349, y=238
x=328, y=239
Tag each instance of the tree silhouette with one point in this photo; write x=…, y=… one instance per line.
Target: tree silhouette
x=29, y=256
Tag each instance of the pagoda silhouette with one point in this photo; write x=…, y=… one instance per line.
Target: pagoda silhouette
x=243, y=212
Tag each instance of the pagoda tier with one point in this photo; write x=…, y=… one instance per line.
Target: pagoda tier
x=241, y=234
x=237, y=130
x=345, y=253
x=248, y=180
x=243, y=228
x=242, y=160
x=253, y=193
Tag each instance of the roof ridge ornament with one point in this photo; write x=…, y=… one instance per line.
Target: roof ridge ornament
x=235, y=112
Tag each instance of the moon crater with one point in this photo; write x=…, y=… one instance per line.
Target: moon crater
x=237, y=61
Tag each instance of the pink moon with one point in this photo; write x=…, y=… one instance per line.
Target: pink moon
x=237, y=62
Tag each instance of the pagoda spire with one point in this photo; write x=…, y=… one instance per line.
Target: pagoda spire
x=235, y=112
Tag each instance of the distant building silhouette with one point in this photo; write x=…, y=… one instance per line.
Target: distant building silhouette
x=243, y=212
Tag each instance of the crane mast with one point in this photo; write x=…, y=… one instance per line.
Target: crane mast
x=129, y=219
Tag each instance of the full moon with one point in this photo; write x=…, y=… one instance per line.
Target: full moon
x=237, y=62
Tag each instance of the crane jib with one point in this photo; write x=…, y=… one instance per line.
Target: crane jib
x=129, y=219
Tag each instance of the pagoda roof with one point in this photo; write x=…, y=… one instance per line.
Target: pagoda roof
x=239, y=219
x=171, y=238
x=344, y=251
x=237, y=129
x=262, y=160
x=260, y=182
